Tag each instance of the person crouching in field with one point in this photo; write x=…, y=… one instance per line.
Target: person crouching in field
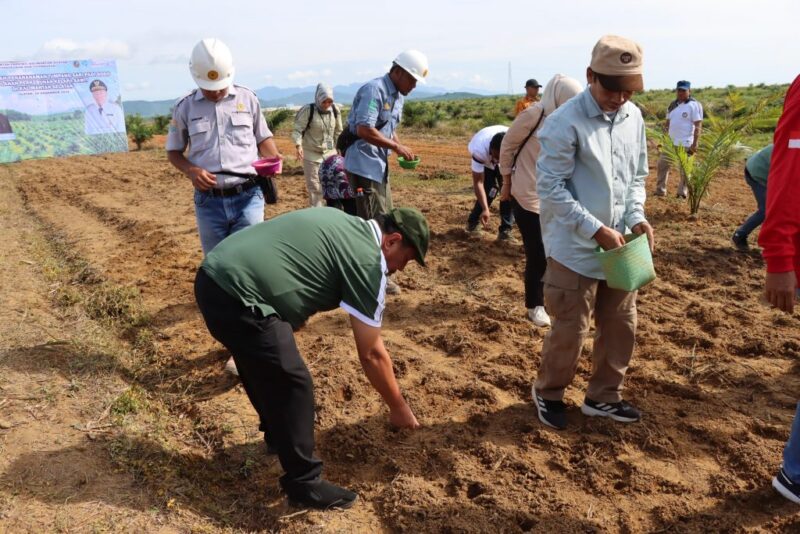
x=590, y=177
x=484, y=148
x=335, y=182
x=316, y=128
x=780, y=243
x=518, y=153
x=756, y=171
x=261, y=284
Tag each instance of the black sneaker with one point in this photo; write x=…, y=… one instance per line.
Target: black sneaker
x=786, y=487
x=321, y=495
x=552, y=413
x=618, y=411
x=740, y=242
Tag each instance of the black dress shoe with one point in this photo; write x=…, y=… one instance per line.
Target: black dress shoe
x=321, y=495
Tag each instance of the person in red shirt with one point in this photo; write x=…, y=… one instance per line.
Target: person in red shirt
x=780, y=242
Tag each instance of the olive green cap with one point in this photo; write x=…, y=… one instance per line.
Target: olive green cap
x=414, y=228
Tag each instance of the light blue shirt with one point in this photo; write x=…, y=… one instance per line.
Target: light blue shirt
x=590, y=173
x=222, y=137
x=377, y=103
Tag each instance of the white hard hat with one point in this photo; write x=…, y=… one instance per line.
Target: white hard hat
x=413, y=62
x=211, y=65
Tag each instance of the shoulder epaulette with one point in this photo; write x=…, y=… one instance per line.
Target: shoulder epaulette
x=184, y=97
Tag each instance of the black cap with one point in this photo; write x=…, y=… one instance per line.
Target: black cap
x=97, y=85
x=532, y=83
x=683, y=84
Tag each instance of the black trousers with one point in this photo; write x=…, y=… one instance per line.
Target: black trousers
x=492, y=183
x=535, y=260
x=347, y=205
x=274, y=376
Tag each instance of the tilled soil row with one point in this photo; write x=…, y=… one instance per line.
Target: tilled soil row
x=713, y=373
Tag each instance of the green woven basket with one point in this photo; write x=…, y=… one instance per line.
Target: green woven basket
x=628, y=267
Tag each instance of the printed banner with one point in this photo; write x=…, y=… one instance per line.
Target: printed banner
x=60, y=108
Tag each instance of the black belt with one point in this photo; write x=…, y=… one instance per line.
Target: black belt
x=236, y=189
x=231, y=191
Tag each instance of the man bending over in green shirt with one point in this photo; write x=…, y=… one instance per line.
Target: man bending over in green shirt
x=262, y=283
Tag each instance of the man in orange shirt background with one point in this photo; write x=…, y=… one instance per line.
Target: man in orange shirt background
x=531, y=95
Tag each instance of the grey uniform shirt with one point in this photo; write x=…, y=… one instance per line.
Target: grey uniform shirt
x=222, y=136
x=109, y=119
x=377, y=104
x=590, y=172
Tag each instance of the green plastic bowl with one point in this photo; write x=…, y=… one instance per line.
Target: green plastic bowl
x=408, y=164
x=628, y=267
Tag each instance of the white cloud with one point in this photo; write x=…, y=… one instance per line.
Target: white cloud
x=170, y=59
x=68, y=49
x=309, y=75
x=301, y=75
x=136, y=86
x=267, y=77
x=479, y=81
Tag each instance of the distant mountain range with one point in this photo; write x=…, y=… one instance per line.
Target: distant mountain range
x=272, y=97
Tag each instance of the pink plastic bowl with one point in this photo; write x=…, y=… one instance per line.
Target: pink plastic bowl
x=268, y=166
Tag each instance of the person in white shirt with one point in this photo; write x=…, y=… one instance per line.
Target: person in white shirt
x=102, y=116
x=484, y=148
x=684, y=123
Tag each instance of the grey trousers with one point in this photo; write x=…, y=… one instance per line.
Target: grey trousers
x=663, y=176
x=376, y=198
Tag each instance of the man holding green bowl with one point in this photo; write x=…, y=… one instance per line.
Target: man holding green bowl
x=371, y=126
x=374, y=118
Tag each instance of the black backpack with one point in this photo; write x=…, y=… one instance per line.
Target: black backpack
x=311, y=115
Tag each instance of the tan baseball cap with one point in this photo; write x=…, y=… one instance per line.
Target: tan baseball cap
x=617, y=61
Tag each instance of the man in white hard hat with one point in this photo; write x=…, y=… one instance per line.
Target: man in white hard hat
x=371, y=129
x=225, y=131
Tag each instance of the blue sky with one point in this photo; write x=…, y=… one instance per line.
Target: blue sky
x=469, y=43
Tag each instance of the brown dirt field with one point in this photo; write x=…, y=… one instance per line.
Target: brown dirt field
x=715, y=373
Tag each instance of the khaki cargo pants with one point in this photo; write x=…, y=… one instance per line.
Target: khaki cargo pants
x=377, y=197
x=663, y=175
x=572, y=299
x=313, y=185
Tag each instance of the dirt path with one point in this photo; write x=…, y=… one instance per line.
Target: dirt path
x=714, y=372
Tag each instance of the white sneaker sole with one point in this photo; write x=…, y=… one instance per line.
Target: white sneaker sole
x=783, y=490
x=230, y=367
x=594, y=412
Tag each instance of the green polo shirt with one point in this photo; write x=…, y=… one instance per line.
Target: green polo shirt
x=304, y=262
x=758, y=164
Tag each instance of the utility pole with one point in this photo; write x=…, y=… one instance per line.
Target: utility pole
x=510, y=85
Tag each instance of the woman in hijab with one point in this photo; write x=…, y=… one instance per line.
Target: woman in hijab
x=316, y=128
x=518, y=155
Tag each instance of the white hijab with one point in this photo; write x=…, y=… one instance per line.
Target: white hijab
x=558, y=90
x=324, y=92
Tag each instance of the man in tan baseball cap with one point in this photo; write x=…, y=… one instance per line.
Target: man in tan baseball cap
x=588, y=197
x=617, y=64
